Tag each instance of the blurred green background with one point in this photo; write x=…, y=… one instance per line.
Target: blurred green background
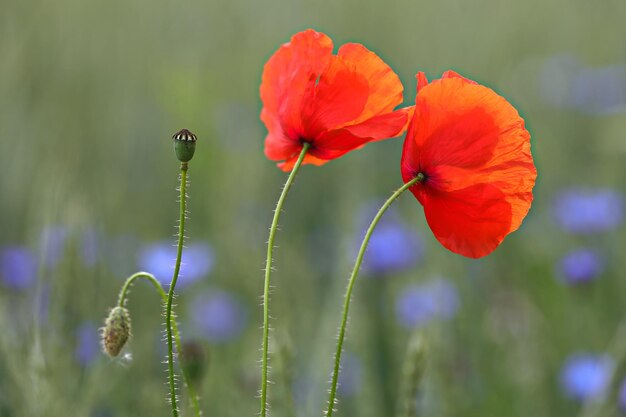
x=90, y=94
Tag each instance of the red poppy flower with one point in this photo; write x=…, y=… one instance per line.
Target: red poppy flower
x=337, y=103
x=471, y=146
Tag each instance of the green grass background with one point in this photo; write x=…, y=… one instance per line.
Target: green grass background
x=90, y=94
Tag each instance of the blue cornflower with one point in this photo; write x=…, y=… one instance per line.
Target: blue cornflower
x=420, y=303
x=587, y=210
x=585, y=377
x=580, y=266
x=599, y=90
x=87, y=343
x=219, y=316
x=351, y=375
x=566, y=83
x=159, y=259
x=18, y=267
x=393, y=246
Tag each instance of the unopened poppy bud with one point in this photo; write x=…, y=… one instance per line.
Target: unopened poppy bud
x=116, y=331
x=194, y=360
x=184, y=145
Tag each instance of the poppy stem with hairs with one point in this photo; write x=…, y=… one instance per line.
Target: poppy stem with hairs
x=193, y=397
x=355, y=272
x=170, y=296
x=268, y=272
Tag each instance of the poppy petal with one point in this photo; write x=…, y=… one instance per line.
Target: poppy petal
x=343, y=101
x=308, y=159
x=515, y=179
x=290, y=73
x=483, y=140
x=385, y=88
x=278, y=146
x=471, y=222
x=338, y=142
x=473, y=148
x=338, y=98
x=454, y=123
x=422, y=81
x=454, y=74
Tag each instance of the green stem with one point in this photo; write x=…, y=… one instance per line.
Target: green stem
x=412, y=372
x=348, y=296
x=170, y=295
x=193, y=397
x=268, y=272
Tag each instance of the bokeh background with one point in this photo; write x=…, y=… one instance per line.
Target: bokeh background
x=90, y=94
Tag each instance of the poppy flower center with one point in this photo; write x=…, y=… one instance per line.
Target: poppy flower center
x=306, y=141
x=421, y=177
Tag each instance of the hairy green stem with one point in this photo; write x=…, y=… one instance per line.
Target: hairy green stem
x=412, y=372
x=268, y=272
x=170, y=295
x=193, y=398
x=348, y=295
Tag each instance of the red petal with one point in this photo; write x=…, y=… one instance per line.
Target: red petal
x=338, y=98
x=289, y=73
x=471, y=144
x=278, y=146
x=385, y=88
x=454, y=123
x=422, y=81
x=454, y=74
x=471, y=222
x=338, y=142
x=308, y=159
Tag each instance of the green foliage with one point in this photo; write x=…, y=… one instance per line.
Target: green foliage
x=90, y=93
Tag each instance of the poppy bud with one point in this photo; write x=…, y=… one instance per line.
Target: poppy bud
x=116, y=331
x=194, y=360
x=184, y=145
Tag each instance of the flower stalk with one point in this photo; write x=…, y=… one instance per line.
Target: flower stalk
x=346, y=303
x=193, y=397
x=170, y=295
x=268, y=273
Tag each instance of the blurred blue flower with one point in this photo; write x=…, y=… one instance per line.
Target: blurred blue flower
x=420, y=303
x=585, y=210
x=303, y=388
x=565, y=82
x=580, y=266
x=90, y=247
x=159, y=258
x=87, y=344
x=18, y=267
x=52, y=243
x=218, y=316
x=351, y=375
x=393, y=247
x=585, y=376
x=599, y=90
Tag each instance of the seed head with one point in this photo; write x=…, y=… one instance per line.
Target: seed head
x=184, y=145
